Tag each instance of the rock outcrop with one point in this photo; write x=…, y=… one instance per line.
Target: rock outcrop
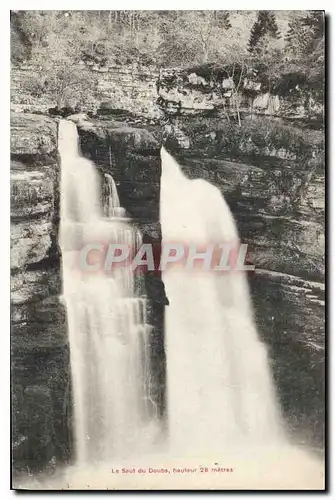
x=147, y=91
x=39, y=343
x=207, y=89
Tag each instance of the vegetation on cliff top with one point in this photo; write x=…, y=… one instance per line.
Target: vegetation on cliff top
x=281, y=46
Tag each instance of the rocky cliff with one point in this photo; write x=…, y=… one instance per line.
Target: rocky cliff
x=230, y=90
x=279, y=216
x=278, y=204
x=39, y=343
x=152, y=92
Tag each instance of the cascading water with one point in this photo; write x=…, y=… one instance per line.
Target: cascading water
x=110, y=199
x=106, y=321
x=220, y=392
x=221, y=401
x=220, y=396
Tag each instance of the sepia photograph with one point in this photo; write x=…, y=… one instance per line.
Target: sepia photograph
x=167, y=250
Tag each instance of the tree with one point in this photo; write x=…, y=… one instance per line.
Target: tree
x=315, y=22
x=304, y=34
x=57, y=44
x=19, y=41
x=194, y=37
x=263, y=32
x=305, y=52
x=295, y=38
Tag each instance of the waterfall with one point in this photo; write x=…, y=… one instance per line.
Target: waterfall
x=111, y=202
x=220, y=396
x=219, y=388
x=106, y=320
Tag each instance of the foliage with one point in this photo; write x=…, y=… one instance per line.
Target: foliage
x=258, y=136
x=63, y=83
x=263, y=32
x=305, y=52
x=160, y=37
x=20, y=42
x=240, y=42
x=195, y=37
x=305, y=36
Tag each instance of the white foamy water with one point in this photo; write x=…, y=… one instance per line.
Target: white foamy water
x=221, y=399
x=220, y=390
x=221, y=404
x=111, y=202
x=106, y=322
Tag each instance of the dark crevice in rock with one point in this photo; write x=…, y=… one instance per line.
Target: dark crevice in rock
x=52, y=261
x=31, y=162
x=33, y=217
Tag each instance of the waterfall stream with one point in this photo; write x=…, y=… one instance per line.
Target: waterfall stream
x=220, y=392
x=221, y=403
x=110, y=199
x=106, y=320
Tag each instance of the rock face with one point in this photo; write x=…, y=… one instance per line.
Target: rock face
x=206, y=89
x=116, y=88
x=33, y=137
x=282, y=221
x=148, y=91
x=132, y=157
x=291, y=320
x=280, y=217
x=40, y=362
x=279, y=213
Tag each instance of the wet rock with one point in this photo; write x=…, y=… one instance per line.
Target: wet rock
x=46, y=311
x=41, y=408
x=137, y=168
x=35, y=337
x=133, y=139
x=29, y=336
x=100, y=139
x=140, y=191
x=64, y=112
x=79, y=118
x=33, y=424
x=151, y=231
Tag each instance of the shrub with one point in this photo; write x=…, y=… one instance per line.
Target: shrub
x=259, y=136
